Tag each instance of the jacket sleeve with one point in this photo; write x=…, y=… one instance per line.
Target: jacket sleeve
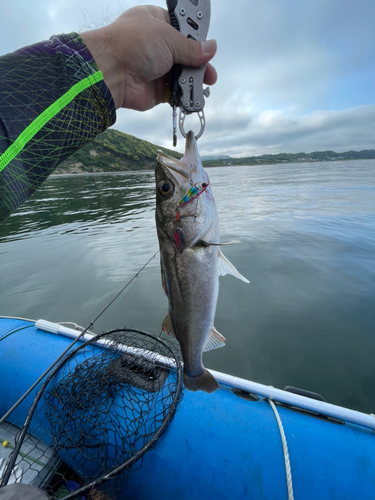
x=53, y=100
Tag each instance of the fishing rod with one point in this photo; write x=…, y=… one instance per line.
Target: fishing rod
x=89, y=327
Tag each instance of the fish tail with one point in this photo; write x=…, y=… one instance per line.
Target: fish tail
x=205, y=382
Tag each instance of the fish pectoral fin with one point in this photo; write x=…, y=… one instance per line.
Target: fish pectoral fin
x=214, y=341
x=233, y=242
x=226, y=267
x=167, y=326
x=207, y=244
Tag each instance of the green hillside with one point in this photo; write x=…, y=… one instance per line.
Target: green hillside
x=113, y=151
x=293, y=158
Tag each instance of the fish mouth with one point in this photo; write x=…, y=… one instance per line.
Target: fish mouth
x=191, y=150
x=182, y=169
x=174, y=165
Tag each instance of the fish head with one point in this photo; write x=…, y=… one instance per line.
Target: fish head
x=183, y=193
x=181, y=173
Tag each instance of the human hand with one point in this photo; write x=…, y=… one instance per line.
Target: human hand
x=136, y=52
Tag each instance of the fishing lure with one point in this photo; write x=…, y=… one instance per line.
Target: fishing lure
x=193, y=193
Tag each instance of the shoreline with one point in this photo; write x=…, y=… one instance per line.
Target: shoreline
x=102, y=172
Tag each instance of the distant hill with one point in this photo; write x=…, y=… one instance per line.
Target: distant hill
x=215, y=157
x=114, y=151
x=367, y=154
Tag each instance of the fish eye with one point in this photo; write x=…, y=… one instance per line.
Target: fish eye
x=165, y=187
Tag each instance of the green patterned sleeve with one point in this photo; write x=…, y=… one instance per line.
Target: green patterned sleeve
x=53, y=100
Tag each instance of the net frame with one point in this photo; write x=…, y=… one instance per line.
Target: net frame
x=169, y=359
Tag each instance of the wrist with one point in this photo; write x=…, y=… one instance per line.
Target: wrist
x=100, y=44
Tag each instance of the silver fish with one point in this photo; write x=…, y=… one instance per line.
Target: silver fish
x=191, y=260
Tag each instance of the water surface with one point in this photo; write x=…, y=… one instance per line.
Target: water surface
x=308, y=248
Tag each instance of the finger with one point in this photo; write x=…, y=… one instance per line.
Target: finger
x=189, y=52
x=158, y=13
x=210, y=77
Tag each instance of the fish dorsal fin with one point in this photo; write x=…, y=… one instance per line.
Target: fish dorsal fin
x=215, y=340
x=226, y=267
x=167, y=326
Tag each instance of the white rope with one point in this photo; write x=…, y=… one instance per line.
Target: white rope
x=288, y=469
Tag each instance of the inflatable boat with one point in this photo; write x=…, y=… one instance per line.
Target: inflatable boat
x=245, y=441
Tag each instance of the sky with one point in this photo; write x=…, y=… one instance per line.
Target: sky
x=293, y=76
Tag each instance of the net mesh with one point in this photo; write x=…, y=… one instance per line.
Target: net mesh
x=103, y=409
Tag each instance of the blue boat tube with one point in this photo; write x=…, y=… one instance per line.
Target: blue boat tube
x=245, y=441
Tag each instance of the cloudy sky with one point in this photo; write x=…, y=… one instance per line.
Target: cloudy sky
x=293, y=75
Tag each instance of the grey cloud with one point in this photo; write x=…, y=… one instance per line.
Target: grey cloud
x=338, y=130
x=289, y=72
x=270, y=132
x=233, y=123
x=154, y=126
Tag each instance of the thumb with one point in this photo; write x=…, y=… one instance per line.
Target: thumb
x=189, y=52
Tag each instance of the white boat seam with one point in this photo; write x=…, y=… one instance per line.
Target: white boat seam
x=320, y=407
x=288, y=468
x=15, y=317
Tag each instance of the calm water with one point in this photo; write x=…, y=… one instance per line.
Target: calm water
x=308, y=247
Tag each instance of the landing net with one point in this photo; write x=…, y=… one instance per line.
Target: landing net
x=97, y=414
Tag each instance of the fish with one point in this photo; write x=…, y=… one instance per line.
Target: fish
x=191, y=260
